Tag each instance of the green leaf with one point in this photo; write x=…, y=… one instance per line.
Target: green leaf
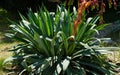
x=62, y=66
x=25, y=65
x=93, y=66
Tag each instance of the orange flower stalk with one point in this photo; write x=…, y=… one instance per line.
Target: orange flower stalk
x=84, y=4
x=81, y=8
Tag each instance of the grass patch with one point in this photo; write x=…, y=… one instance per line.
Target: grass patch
x=4, y=53
x=2, y=73
x=7, y=46
x=3, y=56
x=1, y=61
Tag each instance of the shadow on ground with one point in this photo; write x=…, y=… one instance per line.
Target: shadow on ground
x=4, y=25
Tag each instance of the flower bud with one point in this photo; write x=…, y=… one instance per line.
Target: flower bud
x=87, y=4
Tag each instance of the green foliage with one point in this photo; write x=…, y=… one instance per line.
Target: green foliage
x=1, y=61
x=49, y=48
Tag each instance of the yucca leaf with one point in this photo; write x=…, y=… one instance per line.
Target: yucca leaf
x=78, y=69
x=47, y=23
x=71, y=48
x=40, y=43
x=81, y=53
x=35, y=25
x=65, y=42
x=101, y=69
x=22, y=17
x=89, y=34
x=62, y=66
x=44, y=22
x=80, y=32
x=36, y=64
x=74, y=11
x=94, y=20
x=45, y=65
x=51, y=23
x=25, y=65
x=100, y=27
x=33, y=18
